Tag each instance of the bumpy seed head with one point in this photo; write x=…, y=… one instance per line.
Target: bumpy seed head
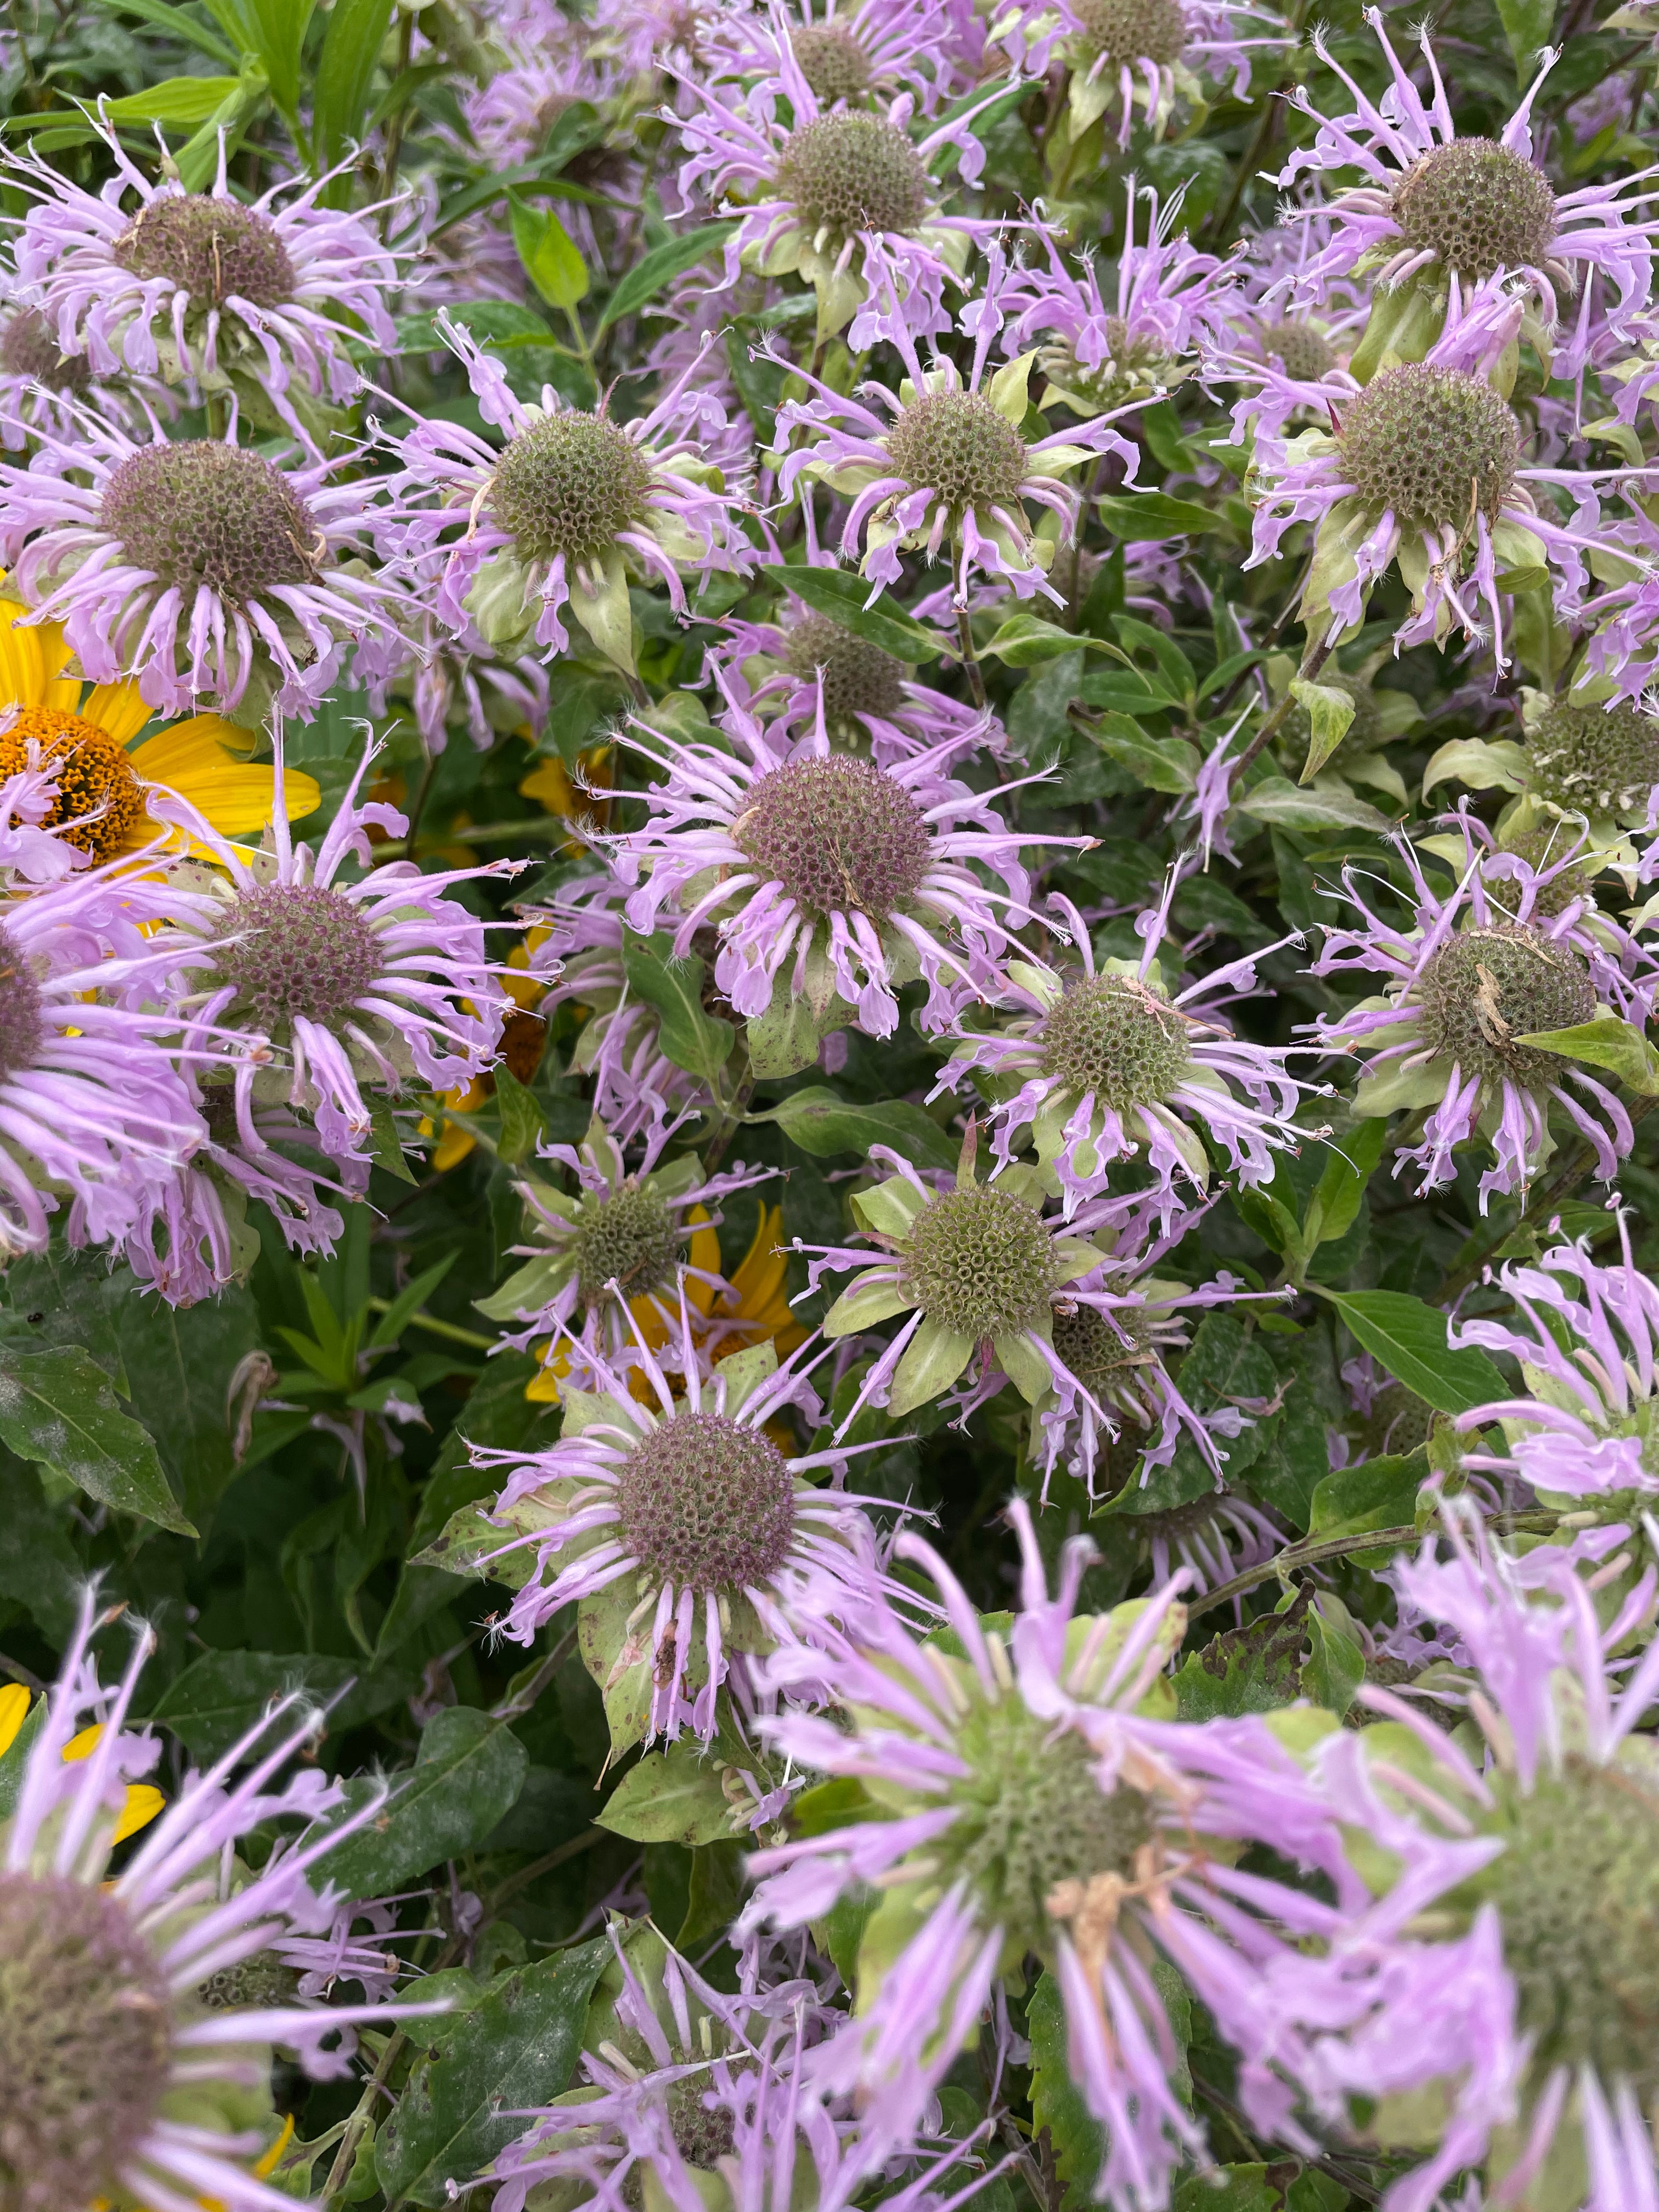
x=702, y=2137
x=571, y=484
x=1485, y=987
x=85, y=2042
x=847, y=171
x=706, y=1504
x=631, y=1237
x=1476, y=208
x=1397, y=1424
x=838, y=834
x=1096, y=1351
x=302, y=952
x=200, y=513
x=1118, y=1038
x=1596, y=760
x=1301, y=350
x=956, y=444
x=214, y=249
x=1365, y=730
x=1436, y=445
x=1030, y=1815
x=1577, y=1892
x=21, y=1026
x=98, y=789
x=832, y=61
x=859, y=678
x=979, y=1261
x=251, y=1984
x=1130, y=31
x=28, y=348
x=1546, y=848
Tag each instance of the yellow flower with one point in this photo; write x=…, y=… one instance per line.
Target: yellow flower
x=549, y=784
x=142, y=1804
x=85, y=736
x=754, y=1309
x=522, y=1039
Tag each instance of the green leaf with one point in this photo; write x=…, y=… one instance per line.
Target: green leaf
x=1139, y=517
x=1330, y=711
x=1409, y=1340
x=671, y=1796
x=38, y=1570
x=1252, y=1669
x=1336, y=1205
x=1025, y=639
x=1277, y=801
x=408, y=1303
x=551, y=259
x=693, y=1040
x=386, y=1147
x=179, y=24
x=521, y=1121
x=841, y=594
x=1229, y=2189
x=1377, y=1494
x=467, y=1774
x=822, y=1123
x=1618, y=1046
x=1076, y=2138
x=345, y=69
x=57, y=1407
x=1161, y=763
x=1335, y=1665
x=278, y=29
x=660, y=266
x=219, y=1696
x=1527, y=25
x=180, y=1361
x=177, y=99
x=513, y=2052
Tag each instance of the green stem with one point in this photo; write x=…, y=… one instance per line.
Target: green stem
x=1312, y=661
x=969, y=658
x=732, y=1114
x=1310, y=1552
x=434, y=1326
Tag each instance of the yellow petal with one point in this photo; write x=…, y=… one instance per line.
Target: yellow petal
x=142, y=1805
x=543, y=1389
x=81, y=1746
x=13, y=1712
x=24, y=675
x=549, y=784
x=273, y=2158
x=704, y=1252
x=117, y=709
x=235, y=796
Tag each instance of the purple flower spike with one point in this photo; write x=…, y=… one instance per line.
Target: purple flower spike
x=204, y=288
x=1022, y=1797
x=549, y=526
x=689, y=1537
x=1101, y=1067
x=198, y=568
x=1466, y=976
x=952, y=469
x=841, y=880
x=151, y=1988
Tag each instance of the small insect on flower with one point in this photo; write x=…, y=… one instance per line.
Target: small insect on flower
x=1016, y=1792
x=203, y=289
x=551, y=524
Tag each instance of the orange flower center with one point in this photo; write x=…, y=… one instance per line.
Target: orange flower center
x=98, y=789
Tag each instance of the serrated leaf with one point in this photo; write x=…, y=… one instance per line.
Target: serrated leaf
x=513, y=2052
x=671, y=1796
x=693, y=1039
x=466, y=1777
x=660, y=267
x=1252, y=1669
x=1140, y=517
x=1026, y=640
x=57, y=1409
x=1377, y=1494
x=1076, y=2139
x=1409, y=1340
x=1335, y=1665
x=823, y=1123
x=1330, y=711
x=841, y=594
x=1618, y=1046
x=1161, y=763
